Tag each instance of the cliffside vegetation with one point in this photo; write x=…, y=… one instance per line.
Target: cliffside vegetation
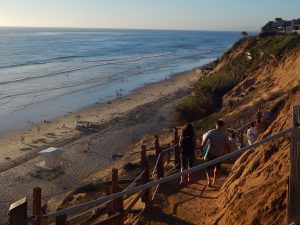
x=206, y=97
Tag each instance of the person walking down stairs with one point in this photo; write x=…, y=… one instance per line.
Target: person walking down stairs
x=187, y=144
x=252, y=133
x=218, y=145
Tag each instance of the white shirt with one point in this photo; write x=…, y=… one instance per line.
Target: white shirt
x=252, y=134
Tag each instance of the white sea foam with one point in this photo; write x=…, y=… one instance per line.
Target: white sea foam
x=70, y=69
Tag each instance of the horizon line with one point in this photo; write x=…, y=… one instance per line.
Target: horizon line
x=110, y=28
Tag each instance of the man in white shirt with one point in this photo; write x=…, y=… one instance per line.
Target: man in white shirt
x=218, y=145
x=252, y=134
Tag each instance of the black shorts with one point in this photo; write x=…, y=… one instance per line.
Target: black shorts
x=212, y=157
x=187, y=160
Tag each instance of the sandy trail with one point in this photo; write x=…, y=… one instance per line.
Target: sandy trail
x=192, y=204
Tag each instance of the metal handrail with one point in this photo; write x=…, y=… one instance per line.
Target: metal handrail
x=168, y=149
x=156, y=164
x=173, y=168
x=155, y=192
x=134, y=181
x=168, y=178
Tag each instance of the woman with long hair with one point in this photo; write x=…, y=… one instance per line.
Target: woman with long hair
x=187, y=144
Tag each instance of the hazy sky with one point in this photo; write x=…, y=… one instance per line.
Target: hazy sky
x=238, y=15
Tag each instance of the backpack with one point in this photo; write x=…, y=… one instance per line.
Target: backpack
x=187, y=145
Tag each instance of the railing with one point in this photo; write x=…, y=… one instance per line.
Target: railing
x=117, y=210
x=115, y=201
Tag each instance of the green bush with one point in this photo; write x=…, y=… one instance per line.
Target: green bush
x=207, y=97
x=277, y=45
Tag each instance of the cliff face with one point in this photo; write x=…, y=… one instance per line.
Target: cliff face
x=255, y=192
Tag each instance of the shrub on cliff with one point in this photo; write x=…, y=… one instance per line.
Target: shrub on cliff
x=207, y=94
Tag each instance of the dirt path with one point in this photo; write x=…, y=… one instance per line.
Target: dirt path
x=192, y=204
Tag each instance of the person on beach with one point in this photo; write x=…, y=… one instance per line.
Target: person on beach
x=187, y=143
x=22, y=139
x=252, y=133
x=218, y=145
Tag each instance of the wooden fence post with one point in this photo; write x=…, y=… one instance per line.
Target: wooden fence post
x=156, y=145
x=61, y=220
x=146, y=198
x=176, y=149
x=118, y=206
x=168, y=156
x=294, y=179
x=36, y=205
x=18, y=212
x=160, y=164
x=108, y=192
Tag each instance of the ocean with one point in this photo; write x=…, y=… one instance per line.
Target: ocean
x=48, y=72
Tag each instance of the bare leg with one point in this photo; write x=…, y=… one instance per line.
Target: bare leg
x=189, y=178
x=182, y=178
x=216, y=172
x=208, y=178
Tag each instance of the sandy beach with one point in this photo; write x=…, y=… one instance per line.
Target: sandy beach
x=119, y=123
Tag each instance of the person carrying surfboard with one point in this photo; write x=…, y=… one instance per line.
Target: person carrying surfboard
x=218, y=144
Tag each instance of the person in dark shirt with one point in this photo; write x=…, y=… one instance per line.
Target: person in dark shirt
x=187, y=144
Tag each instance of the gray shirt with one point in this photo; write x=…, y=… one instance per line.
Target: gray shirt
x=218, y=142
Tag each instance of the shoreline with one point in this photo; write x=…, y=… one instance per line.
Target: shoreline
x=61, y=130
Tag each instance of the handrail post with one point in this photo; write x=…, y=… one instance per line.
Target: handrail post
x=36, y=205
x=18, y=212
x=146, y=197
x=177, y=149
x=61, y=220
x=160, y=158
x=109, y=192
x=168, y=156
x=294, y=179
x=117, y=203
x=156, y=145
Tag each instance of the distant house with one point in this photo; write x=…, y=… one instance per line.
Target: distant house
x=288, y=26
x=281, y=26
